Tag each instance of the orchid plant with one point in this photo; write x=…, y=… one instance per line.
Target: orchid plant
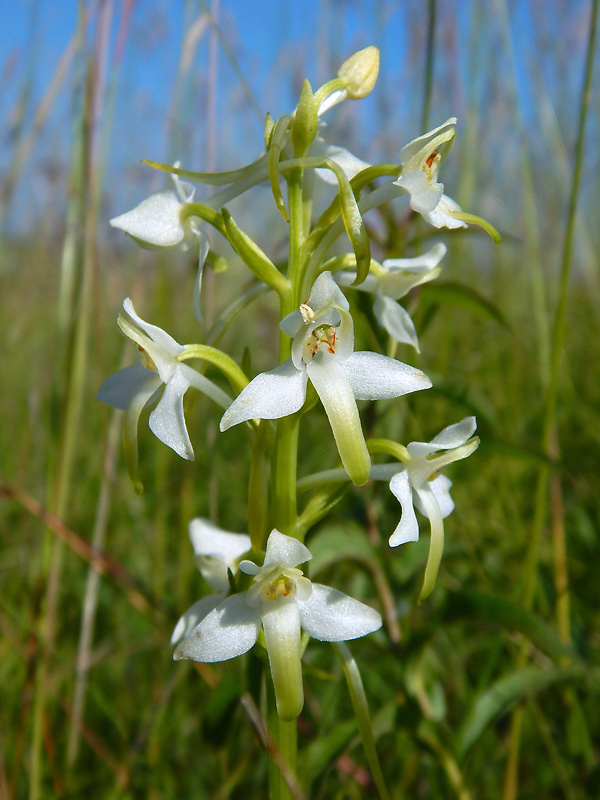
x=267, y=603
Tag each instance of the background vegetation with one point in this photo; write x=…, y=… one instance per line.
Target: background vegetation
x=489, y=689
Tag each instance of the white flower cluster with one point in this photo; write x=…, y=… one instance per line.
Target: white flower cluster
x=319, y=335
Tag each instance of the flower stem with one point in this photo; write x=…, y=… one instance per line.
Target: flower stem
x=287, y=735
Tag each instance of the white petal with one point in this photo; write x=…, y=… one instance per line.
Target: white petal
x=204, y=385
x=402, y=274
x=332, y=384
x=118, y=389
x=195, y=614
x=285, y=550
x=347, y=161
x=455, y=435
x=216, y=551
x=209, y=540
x=228, y=631
x=332, y=100
x=423, y=263
x=281, y=624
x=249, y=567
x=203, y=248
x=413, y=148
x=441, y=216
x=424, y=196
x=271, y=395
x=167, y=421
x=332, y=616
x=370, y=284
x=407, y=529
x=396, y=321
x=157, y=334
x=440, y=489
x=451, y=438
x=374, y=376
x=155, y=221
x=325, y=290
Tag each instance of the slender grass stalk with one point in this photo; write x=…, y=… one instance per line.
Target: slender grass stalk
x=361, y=712
x=429, y=65
x=550, y=439
x=550, y=427
x=208, y=289
x=92, y=586
x=53, y=549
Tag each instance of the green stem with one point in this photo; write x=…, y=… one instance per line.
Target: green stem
x=361, y=712
x=296, y=263
x=219, y=359
x=287, y=735
x=284, y=475
x=286, y=438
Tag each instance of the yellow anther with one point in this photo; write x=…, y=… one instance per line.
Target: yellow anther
x=307, y=313
x=145, y=359
x=431, y=165
x=324, y=334
x=282, y=586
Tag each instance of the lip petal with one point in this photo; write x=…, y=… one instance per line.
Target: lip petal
x=331, y=383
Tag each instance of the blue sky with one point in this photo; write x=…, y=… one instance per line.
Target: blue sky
x=483, y=50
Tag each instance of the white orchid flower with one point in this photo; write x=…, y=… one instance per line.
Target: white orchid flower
x=418, y=483
x=133, y=387
x=281, y=601
x=158, y=222
x=421, y=161
x=350, y=163
x=322, y=351
x=216, y=551
x=390, y=281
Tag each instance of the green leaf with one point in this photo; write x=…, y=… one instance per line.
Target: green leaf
x=254, y=258
x=465, y=297
x=278, y=136
x=361, y=712
x=337, y=543
x=212, y=178
x=323, y=752
x=494, y=610
x=514, y=686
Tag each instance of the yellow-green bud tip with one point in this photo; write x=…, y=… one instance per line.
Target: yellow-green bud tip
x=360, y=71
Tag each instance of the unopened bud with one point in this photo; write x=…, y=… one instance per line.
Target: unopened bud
x=269, y=125
x=306, y=122
x=359, y=72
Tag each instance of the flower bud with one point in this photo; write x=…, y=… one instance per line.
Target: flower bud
x=269, y=125
x=360, y=71
x=306, y=122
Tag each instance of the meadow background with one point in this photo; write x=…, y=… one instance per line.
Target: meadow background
x=489, y=689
